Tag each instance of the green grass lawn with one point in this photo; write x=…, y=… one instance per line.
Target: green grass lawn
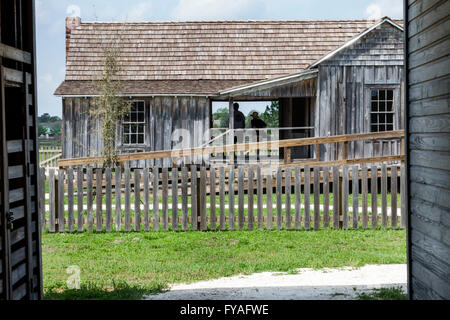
x=128, y=265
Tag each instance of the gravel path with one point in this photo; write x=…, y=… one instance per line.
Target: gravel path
x=308, y=284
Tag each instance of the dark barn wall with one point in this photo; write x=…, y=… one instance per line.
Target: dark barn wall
x=20, y=253
x=164, y=115
x=428, y=152
x=343, y=90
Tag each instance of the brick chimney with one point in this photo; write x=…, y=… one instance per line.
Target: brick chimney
x=71, y=23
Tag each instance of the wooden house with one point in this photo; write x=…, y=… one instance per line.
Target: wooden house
x=337, y=77
x=428, y=148
x=20, y=237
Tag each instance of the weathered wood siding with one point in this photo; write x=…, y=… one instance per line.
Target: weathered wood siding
x=344, y=87
x=428, y=83
x=171, y=122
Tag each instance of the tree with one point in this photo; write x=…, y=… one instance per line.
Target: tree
x=44, y=118
x=42, y=131
x=109, y=107
x=270, y=115
x=223, y=116
x=55, y=130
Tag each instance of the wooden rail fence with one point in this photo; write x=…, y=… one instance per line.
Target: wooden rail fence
x=346, y=193
x=49, y=156
x=222, y=198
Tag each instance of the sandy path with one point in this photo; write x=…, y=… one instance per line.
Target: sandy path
x=324, y=284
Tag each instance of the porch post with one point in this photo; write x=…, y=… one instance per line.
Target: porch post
x=231, y=127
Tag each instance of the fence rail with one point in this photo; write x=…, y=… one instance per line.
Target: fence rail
x=49, y=156
x=286, y=145
x=222, y=198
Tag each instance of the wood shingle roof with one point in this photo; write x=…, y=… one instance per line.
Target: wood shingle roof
x=220, y=51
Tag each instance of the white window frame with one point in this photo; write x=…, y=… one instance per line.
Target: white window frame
x=136, y=123
x=384, y=112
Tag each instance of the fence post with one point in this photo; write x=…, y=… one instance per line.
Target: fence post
x=341, y=202
x=287, y=155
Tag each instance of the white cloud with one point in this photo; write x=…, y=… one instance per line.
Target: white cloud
x=47, y=78
x=381, y=8
x=42, y=14
x=138, y=12
x=218, y=9
x=73, y=10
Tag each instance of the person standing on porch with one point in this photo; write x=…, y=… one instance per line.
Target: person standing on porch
x=239, y=123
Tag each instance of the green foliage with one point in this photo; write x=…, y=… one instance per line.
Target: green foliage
x=271, y=116
x=394, y=293
x=109, y=107
x=42, y=131
x=56, y=129
x=223, y=116
x=47, y=118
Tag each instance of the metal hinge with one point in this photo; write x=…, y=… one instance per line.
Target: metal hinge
x=9, y=220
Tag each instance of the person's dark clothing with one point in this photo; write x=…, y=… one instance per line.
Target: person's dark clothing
x=258, y=123
x=239, y=120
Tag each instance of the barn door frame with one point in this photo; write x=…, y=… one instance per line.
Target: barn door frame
x=4, y=191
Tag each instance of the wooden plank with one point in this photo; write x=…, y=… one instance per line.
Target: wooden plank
x=279, y=191
x=316, y=198
x=403, y=196
x=108, y=195
x=98, y=194
x=15, y=54
x=52, y=200
x=202, y=195
x=212, y=198
x=231, y=222
x=384, y=217
x=80, y=210
x=374, y=195
x=60, y=201
x=307, y=193
x=184, y=198
x=174, y=199
x=155, y=188
x=394, y=176
x=355, y=196
x=298, y=198
x=260, y=191
x=250, y=199
x=364, y=191
x=194, y=200
x=118, y=193
x=288, y=198
x=269, y=205
x=127, y=197
x=345, y=186
x=336, y=197
x=165, y=198
x=42, y=211
x=326, y=197
x=70, y=218
x=222, y=198
x=146, y=181
x=89, y=199
x=137, y=200
x=241, y=198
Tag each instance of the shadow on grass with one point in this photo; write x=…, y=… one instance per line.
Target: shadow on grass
x=92, y=291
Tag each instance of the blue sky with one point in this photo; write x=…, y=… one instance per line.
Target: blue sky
x=50, y=28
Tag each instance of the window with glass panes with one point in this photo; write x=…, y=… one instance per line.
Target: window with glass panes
x=134, y=124
x=382, y=110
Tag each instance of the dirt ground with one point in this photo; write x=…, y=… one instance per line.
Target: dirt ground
x=307, y=284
